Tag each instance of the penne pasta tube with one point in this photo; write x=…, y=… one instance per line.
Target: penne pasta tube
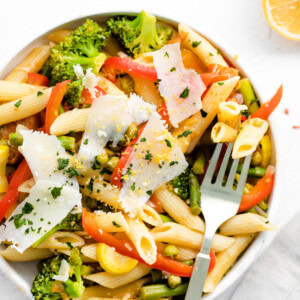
x=245, y=223
x=149, y=215
x=25, y=107
x=178, y=209
x=230, y=113
x=222, y=133
x=200, y=46
x=32, y=63
x=61, y=239
x=114, y=281
x=225, y=260
x=10, y=90
x=58, y=36
x=111, y=222
x=184, y=253
x=142, y=239
x=250, y=134
x=90, y=251
x=177, y=234
x=67, y=252
x=198, y=123
x=30, y=254
x=75, y=120
x=132, y=289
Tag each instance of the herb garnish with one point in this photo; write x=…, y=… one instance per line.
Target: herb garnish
x=196, y=44
x=116, y=224
x=168, y=143
x=56, y=192
x=173, y=69
x=203, y=113
x=185, y=93
x=62, y=163
x=18, y=103
x=185, y=133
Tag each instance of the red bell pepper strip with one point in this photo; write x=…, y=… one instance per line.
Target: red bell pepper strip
x=131, y=67
x=54, y=103
x=163, y=112
x=210, y=78
x=154, y=202
x=221, y=70
x=19, y=176
x=88, y=99
x=37, y=79
x=267, y=108
x=163, y=263
x=260, y=191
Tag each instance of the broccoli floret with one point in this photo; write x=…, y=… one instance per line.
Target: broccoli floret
x=42, y=283
x=82, y=47
x=73, y=94
x=72, y=222
x=75, y=288
x=180, y=184
x=141, y=34
x=42, y=287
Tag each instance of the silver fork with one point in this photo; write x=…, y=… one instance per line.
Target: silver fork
x=218, y=204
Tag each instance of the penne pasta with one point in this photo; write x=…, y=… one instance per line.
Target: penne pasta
x=200, y=46
x=250, y=134
x=30, y=254
x=184, y=253
x=114, y=281
x=142, y=239
x=58, y=36
x=178, y=209
x=10, y=90
x=225, y=260
x=112, y=222
x=90, y=251
x=230, y=113
x=198, y=123
x=62, y=240
x=246, y=223
x=67, y=252
x=177, y=234
x=149, y=215
x=25, y=107
x=32, y=63
x=131, y=289
x=222, y=133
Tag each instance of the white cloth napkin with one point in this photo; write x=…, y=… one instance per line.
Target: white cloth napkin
x=276, y=274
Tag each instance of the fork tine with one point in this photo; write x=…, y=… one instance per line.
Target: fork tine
x=232, y=172
x=224, y=164
x=244, y=174
x=212, y=164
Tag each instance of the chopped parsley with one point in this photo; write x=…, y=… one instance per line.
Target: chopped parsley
x=166, y=54
x=86, y=141
x=196, y=44
x=132, y=187
x=90, y=186
x=18, y=103
x=39, y=93
x=148, y=156
x=173, y=162
x=143, y=140
x=149, y=192
x=173, y=69
x=96, y=165
x=62, y=163
x=168, y=143
x=185, y=93
x=220, y=83
x=72, y=172
x=116, y=224
x=18, y=221
x=211, y=54
x=56, y=192
x=185, y=133
x=69, y=244
x=26, y=231
x=27, y=208
x=203, y=113
x=245, y=113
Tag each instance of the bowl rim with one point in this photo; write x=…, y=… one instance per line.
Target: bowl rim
x=261, y=241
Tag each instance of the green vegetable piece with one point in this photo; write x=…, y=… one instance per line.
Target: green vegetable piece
x=112, y=163
x=171, y=251
x=141, y=34
x=165, y=218
x=253, y=172
x=131, y=132
x=199, y=164
x=155, y=291
x=194, y=195
x=181, y=185
x=245, y=88
x=174, y=281
x=61, y=110
x=256, y=158
x=127, y=85
x=15, y=139
x=68, y=142
x=189, y=262
x=86, y=270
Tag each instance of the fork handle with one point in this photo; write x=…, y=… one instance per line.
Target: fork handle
x=200, y=270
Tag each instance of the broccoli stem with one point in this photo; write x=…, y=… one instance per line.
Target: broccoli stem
x=194, y=194
x=45, y=236
x=245, y=88
x=165, y=218
x=15, y=139
x=67, y=142
x=199, y=164
x=253, y=172
x=156, y=291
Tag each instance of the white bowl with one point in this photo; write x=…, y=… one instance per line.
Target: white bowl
x=22, y=273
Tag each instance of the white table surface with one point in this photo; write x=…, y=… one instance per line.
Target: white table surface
x=241, y=24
